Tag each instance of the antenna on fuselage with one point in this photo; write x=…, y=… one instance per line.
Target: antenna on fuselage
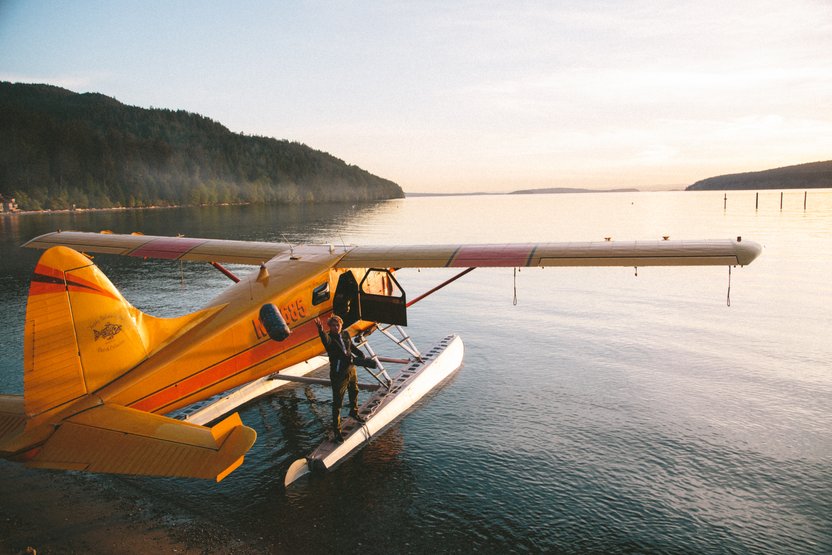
x=291, y=248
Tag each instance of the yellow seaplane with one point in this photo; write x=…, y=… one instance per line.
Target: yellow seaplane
x=103, y=380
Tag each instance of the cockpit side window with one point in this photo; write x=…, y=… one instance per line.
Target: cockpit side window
x=320, y=294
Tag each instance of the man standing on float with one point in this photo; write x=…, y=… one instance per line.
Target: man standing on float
x=342, y=374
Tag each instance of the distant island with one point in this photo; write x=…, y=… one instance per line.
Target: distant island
x=802, y=176
x=549, y=190
x=478, y=194
x=60, y=150
x=558, y=190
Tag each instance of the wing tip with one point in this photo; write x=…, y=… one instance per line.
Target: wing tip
x=747, y=251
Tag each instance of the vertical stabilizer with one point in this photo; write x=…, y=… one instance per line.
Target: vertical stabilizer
x=81, y=333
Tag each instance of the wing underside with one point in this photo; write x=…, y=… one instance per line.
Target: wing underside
x=602, y=253
x=168, y=248
x=605, y=253
x=120, y=440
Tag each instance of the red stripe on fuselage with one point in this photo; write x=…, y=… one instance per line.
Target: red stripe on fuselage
x=228, y=368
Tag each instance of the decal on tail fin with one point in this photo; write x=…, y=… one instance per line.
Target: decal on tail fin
x=80, y=332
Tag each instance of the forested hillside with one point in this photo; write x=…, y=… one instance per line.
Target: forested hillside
x=802, y=176
x=59, y=148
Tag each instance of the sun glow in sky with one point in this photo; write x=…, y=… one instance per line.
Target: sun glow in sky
x=464, y=96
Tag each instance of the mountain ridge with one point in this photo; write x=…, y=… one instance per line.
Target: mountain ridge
x=811, y=175
x=60, y=149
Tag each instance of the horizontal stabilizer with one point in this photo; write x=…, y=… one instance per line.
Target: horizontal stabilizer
x=121, y=440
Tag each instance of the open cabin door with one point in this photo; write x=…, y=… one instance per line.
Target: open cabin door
x=381, y=298
x=345, y=302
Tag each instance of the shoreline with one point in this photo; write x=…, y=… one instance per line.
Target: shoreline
x=112, y=209
x=68, y=512
x=172, y=206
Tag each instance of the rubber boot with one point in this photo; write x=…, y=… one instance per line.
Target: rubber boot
x=336, y=427
x=357, y=417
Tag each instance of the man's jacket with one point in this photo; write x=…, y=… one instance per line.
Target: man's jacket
x=342, y=354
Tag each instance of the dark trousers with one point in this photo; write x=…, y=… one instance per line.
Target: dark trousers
x=341, y=383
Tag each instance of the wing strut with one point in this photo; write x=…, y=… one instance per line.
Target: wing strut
x=226, y=272
x=440, y=286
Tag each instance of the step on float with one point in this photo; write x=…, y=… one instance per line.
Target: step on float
x=384, y=407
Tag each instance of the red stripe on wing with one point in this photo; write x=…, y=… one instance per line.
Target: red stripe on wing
x=168, y=248
x=493, y=255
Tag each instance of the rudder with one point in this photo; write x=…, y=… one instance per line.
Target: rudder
x=81, y=333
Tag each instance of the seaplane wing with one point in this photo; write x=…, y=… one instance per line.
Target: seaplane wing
x=167, y=248
x=605, y=253
x=601, y=253
x=120, y=440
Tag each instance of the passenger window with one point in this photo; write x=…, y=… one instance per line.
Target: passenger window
x=320, y=294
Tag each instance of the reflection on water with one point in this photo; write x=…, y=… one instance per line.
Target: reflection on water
x=606, y=412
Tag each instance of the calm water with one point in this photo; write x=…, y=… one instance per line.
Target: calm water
x=609, y=411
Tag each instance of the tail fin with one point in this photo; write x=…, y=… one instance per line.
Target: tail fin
x=81, y=333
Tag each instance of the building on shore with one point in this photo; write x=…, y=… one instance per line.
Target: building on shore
x=7, y=204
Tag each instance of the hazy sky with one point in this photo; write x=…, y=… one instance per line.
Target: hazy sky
x=464, y=96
